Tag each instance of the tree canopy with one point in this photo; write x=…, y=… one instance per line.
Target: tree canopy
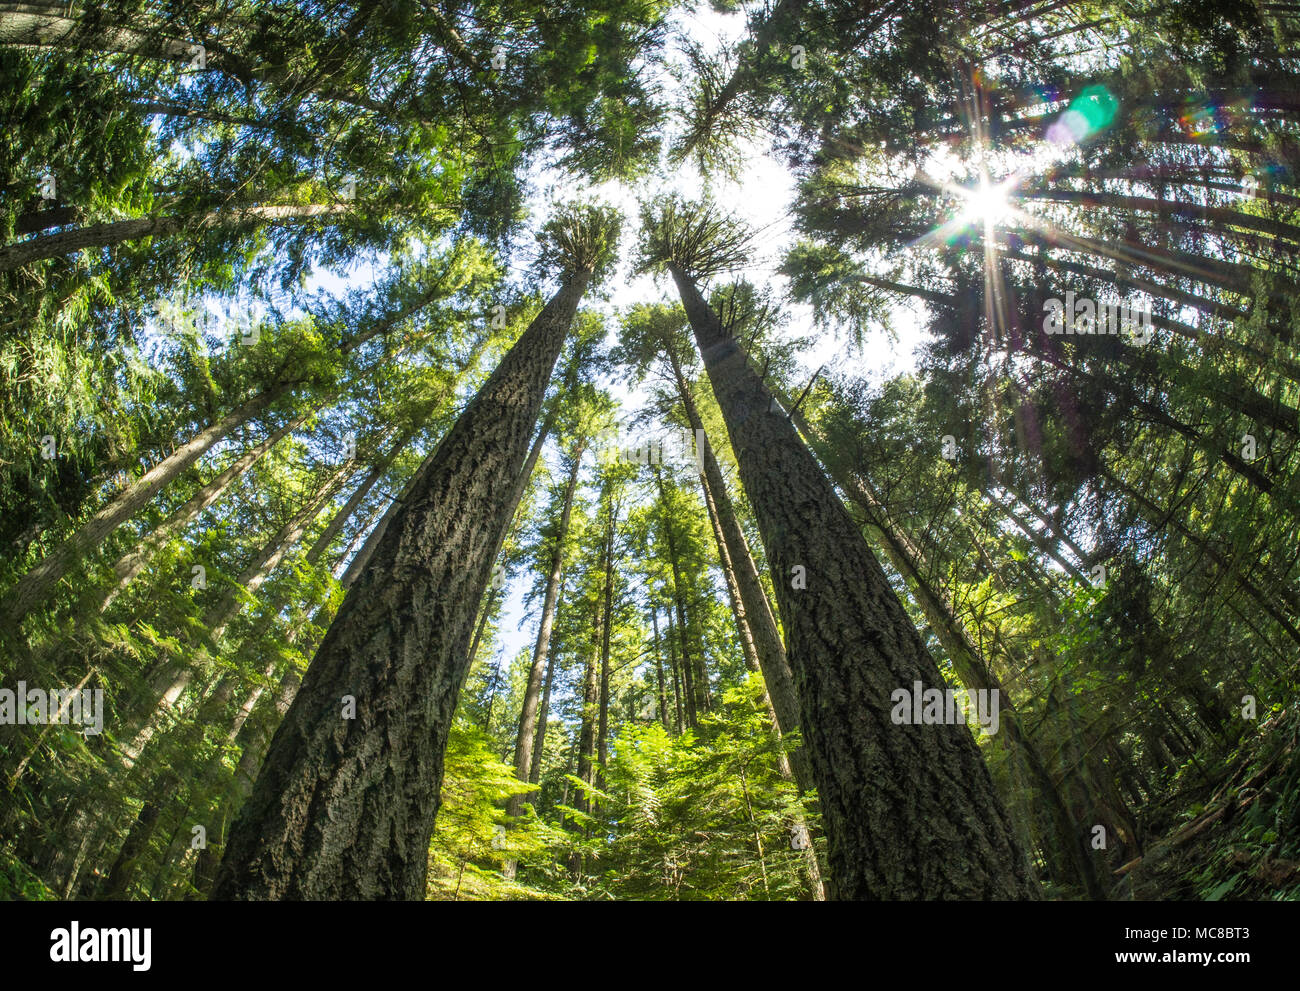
x=805, y=450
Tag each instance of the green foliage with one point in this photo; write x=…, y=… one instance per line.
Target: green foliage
x=698, y=237
x=703, y=815
x=306, y=257
x=580, y=238
x=473, y=838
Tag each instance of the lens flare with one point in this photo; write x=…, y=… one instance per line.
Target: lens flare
x=1090, y=113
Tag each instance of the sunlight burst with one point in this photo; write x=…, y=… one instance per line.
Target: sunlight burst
x=987, y=203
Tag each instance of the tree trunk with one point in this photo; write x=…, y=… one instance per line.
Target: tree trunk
x=527, y=732
x=322, y=542
x=659, y=667
x=692, y=692
x=909, y=810
x=112, y=232
x=976, y=674
x=590, y=713
x=607, y=625
x=254, y=740
x=35, y=586
x=672, y=660
x=176, y=677
x=344, y=807
x=129, y=566
x=801, y=776
x=543, y=714
x=754, y=604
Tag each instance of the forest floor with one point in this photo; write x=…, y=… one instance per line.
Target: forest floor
x=1237, y=835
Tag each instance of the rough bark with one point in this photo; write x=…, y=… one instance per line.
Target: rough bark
x=976, y=674
x=344, y=808
x=909, y=810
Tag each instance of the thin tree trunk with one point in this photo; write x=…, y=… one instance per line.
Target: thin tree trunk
x=543, y=714
x=590, y=713
x=177, y=677
x=689, y=671
x=113, y=232
x=358, y=495
x=38, y=583
x=129, y=566
x=659, y=667
x=672, y=659
x=254, y=740
x=784, y=761
x=528, y=726
x=607, y=625
x=766, y=638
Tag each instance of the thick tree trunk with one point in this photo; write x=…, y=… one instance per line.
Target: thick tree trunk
x=909, y=810
x=976, y=675
x=344, y=807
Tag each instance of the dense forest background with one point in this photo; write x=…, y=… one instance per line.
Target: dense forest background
x=504, y=450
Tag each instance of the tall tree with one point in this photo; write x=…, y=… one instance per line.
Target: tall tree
x=418, y=592
x=910, y=810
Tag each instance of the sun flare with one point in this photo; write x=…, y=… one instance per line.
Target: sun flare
x=986, y=202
